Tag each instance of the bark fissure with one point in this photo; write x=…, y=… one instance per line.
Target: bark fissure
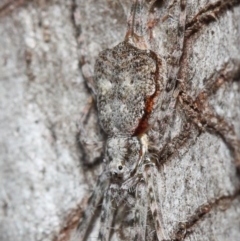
x=221, y=204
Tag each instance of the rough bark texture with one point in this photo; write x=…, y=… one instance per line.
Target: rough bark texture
x=45, y=178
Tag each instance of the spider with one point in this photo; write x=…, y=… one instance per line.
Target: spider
x=132, y=84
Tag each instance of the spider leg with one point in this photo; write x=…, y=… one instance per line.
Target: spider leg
x=135, y=19
x=137, y=204
x=86, y=142
x=126, y=187
x=204, y=117
x=83, y=136
x=136, y=22
x=174, y=63
x=141, y=211
x=152, y=180
x=93, y=202
x=88, y=74
x=107, y=213
x=163, y=127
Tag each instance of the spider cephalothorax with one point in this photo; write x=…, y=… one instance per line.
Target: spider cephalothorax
x=123, y=155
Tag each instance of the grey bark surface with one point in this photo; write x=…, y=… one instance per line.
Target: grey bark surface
x=45, y=178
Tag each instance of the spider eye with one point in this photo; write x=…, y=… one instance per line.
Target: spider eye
x=120, y=167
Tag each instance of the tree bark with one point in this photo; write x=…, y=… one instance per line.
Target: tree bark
x=46, y=176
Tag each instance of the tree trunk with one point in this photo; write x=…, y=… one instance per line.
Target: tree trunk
x=46, y=175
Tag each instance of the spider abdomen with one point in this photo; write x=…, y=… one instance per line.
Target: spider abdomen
x=129, y=83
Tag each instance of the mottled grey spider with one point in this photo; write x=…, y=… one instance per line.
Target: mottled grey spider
x=136, y=100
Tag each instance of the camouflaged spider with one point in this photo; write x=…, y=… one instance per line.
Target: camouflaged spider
x=132, y=84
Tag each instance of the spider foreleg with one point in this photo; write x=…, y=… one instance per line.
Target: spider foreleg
x=135, y=19
x=136, y=22
x=128, y=186
x=141, y=211
x=173, y=62
x=108, y=212
x=88, y=214
x=152, y=179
